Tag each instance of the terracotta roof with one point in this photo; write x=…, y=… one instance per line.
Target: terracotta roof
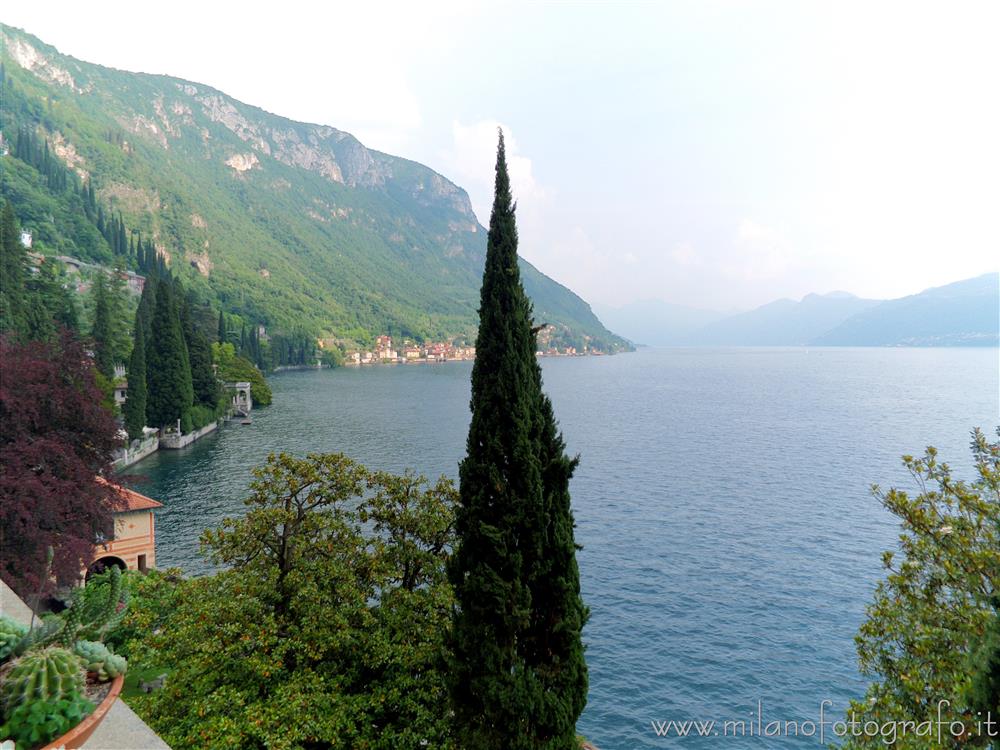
x=133, y=500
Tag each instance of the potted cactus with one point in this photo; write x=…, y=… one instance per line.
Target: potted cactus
x=51, y=676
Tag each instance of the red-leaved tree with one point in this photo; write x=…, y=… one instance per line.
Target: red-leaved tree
x=56, y=438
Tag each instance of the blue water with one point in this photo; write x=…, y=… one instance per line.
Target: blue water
x=730, y=542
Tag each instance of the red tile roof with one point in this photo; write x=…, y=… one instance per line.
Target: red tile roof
x=133, y=500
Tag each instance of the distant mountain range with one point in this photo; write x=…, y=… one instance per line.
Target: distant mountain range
x=965, y=313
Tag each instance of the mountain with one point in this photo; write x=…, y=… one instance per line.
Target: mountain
x=293, y=225
x=783, y=322
x=966, y=313
x=657, y=323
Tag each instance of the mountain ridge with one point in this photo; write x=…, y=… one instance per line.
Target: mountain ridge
x=295, y=225
x=961, y=313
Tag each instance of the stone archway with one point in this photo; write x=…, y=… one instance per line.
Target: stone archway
x=102, y=564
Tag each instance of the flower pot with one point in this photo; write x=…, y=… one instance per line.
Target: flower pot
x=75, y=737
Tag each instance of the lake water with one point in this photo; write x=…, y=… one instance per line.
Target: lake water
x=730, y=542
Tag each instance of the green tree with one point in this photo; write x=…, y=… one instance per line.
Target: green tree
x=135, y=404
x=221, y=336
x=934, y=607
x=101, y=329
x=234, y=369
x=984, y=690
x=168, y=375
x=50, y=303
x=205, y=387
x=12, y=271
x=518, y=671
x=325, y=629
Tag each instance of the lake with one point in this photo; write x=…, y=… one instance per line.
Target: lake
x=730, y=540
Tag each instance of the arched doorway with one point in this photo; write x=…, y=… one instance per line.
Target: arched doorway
x=102, y=564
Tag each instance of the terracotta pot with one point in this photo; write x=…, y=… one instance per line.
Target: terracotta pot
x=75, y=737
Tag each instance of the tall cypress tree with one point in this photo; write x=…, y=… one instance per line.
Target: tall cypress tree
x=101, y=331
x=134, y=410
x=519, y=679
x=221, y=337
x=168, y=376
x=12, y=272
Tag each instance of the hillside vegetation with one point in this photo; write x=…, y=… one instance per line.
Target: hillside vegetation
x=295, y=226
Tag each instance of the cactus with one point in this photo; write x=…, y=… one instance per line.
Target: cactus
x=53, y=673
x=10, y=635
x=96, y=609
x=100, y=659
x=41, y=635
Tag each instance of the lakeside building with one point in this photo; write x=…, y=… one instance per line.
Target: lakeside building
x=132, y=545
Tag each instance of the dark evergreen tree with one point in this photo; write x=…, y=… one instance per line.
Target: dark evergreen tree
x=984, y=665
x=221, y=338
x=51, y=302
x=102, y=329
x=144, y=312
x=519, y=679
x=205, y=389
x=13, y=311
x=134, y=410
x=168, y=376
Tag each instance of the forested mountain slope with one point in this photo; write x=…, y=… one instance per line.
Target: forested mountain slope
x=296, y=226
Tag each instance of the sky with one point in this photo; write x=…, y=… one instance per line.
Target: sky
x=712, y=154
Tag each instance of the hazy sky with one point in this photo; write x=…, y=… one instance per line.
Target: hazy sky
x=716, y=154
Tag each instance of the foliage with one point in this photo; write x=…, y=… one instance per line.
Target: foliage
x=55, y=437
x=13, y=259
x=168, y=373
x=327, y=625
x=151, y=598
x=984, y=666
x=37, y=723
x=134, y=409
x=100, y=332
x=10, y=634
x=933, y=608
x=234, y=369
x=52, y=673
x=519, y=679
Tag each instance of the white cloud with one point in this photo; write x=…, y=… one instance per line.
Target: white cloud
x=471, y=162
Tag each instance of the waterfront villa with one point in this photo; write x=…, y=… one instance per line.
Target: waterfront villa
x=133, y=542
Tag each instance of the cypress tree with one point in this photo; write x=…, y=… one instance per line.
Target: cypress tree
x=12, y=272
x=222, y=327
x=519, y=679
x=101, y=331
x=168, y=376
x=134, y=410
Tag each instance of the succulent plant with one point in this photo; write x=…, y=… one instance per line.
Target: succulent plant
x=95, y=609
x=11, y=634
x=53, y=673
x=99, y=658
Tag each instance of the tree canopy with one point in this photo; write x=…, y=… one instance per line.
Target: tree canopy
x=933, y=610
x=56, y=437
x=327, y=626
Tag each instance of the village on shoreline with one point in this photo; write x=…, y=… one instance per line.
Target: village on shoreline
x=384, y=352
